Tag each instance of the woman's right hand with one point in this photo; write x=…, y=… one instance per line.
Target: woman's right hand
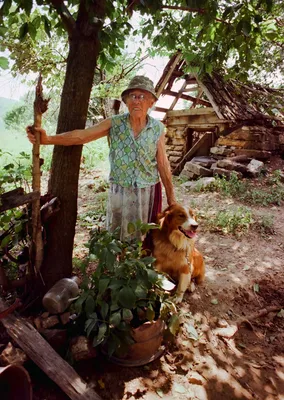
x=30, y=133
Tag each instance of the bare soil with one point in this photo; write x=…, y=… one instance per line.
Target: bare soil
x=244, y=275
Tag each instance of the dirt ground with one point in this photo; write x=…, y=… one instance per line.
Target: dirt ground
x=244, y=275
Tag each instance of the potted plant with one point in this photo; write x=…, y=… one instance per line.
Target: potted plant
x=125, y=304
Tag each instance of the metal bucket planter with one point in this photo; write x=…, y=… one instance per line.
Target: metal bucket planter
x=15, y=383
x=147, y=347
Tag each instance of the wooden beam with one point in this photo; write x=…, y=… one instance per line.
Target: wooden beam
x=168, y=75
x=191, y=153
x=160, y=109
x=17, y=199
x=186, y=97
x=189, y=112
x=42, y=354
x=192, y=89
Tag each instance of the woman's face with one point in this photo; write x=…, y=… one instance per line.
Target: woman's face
x=138, y=102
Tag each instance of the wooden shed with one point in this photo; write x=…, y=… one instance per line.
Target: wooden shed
x=201, y=113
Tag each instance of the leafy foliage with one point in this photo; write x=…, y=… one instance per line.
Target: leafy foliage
x=14, y=233
x=123, y=292
x=239, y=36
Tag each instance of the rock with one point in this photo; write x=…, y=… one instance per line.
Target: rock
x=255, y=167
x=195, y=378
x=221, y=150
x=232, y=166
x=13, y=355
x=50, y=322
x=204, y=161
x=222, y=323
x=188, y=174
x=37, y=323
x=226, y=173
x=81, y=348
x=197, y=169
x=65, y=317
x=258, y=154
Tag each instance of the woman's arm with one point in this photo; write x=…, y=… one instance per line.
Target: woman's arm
x=78, y=136
x=165, y=170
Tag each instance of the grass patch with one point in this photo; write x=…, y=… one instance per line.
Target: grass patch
x=271, y=190
x=236, y=221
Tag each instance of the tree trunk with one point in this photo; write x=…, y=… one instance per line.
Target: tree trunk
x=64, y=175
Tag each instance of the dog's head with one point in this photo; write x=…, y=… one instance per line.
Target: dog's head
x=176, y=217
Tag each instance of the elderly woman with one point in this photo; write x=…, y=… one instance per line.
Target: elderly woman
x=137, y=157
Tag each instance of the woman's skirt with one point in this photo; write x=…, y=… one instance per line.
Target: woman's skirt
x=131, y=205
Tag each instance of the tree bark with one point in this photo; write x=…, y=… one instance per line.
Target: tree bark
x=63, y=183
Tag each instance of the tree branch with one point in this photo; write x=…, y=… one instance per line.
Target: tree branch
x=66, y=17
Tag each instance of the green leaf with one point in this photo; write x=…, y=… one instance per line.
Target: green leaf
x=150, y=314
x=91, y=324
x=46, y=24
x=174, y=324
x=4, y=63
x=114, y=247
x=23, y=30
x=256, y=287
x=126, y=297
x=101, y=335
x=140, y=292
x=5, y=241
x=152, y=275
x=214, y=301
x=246, y=27
x=90, y=305
x=104, y=309
x=28, y=5
x=115, y=318
x=80, y=301
x=127, y=315
x=103, y=284
x=32, y=30
x=6, y=7
x=131, y=228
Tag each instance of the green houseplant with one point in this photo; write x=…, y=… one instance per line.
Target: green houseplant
x=124, y=292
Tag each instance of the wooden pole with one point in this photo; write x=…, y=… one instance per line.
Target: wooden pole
x=46, y=358
x=40, y=106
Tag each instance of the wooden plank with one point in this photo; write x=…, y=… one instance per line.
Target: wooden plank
x=42, y=354
x=186, y=97
x=191, y=153
x=192, y=89
x=195, y=111
x=168, y=75
x=17, y=200
x=160, y=109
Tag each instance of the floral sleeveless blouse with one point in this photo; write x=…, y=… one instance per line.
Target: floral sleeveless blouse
x=133, y=159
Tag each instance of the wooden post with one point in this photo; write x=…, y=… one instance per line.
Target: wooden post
x=42, y=354
x=40, y=106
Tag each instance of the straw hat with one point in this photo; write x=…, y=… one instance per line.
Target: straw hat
x=140, y=82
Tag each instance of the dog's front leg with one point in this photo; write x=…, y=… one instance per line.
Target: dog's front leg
x=184, y=281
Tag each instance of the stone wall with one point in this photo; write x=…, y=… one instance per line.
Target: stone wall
x=175, y=144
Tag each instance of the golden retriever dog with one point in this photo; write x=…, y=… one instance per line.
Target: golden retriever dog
x=174, y=248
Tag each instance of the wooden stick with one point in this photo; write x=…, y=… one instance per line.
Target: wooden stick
x=42, y=354
x=40, y=106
